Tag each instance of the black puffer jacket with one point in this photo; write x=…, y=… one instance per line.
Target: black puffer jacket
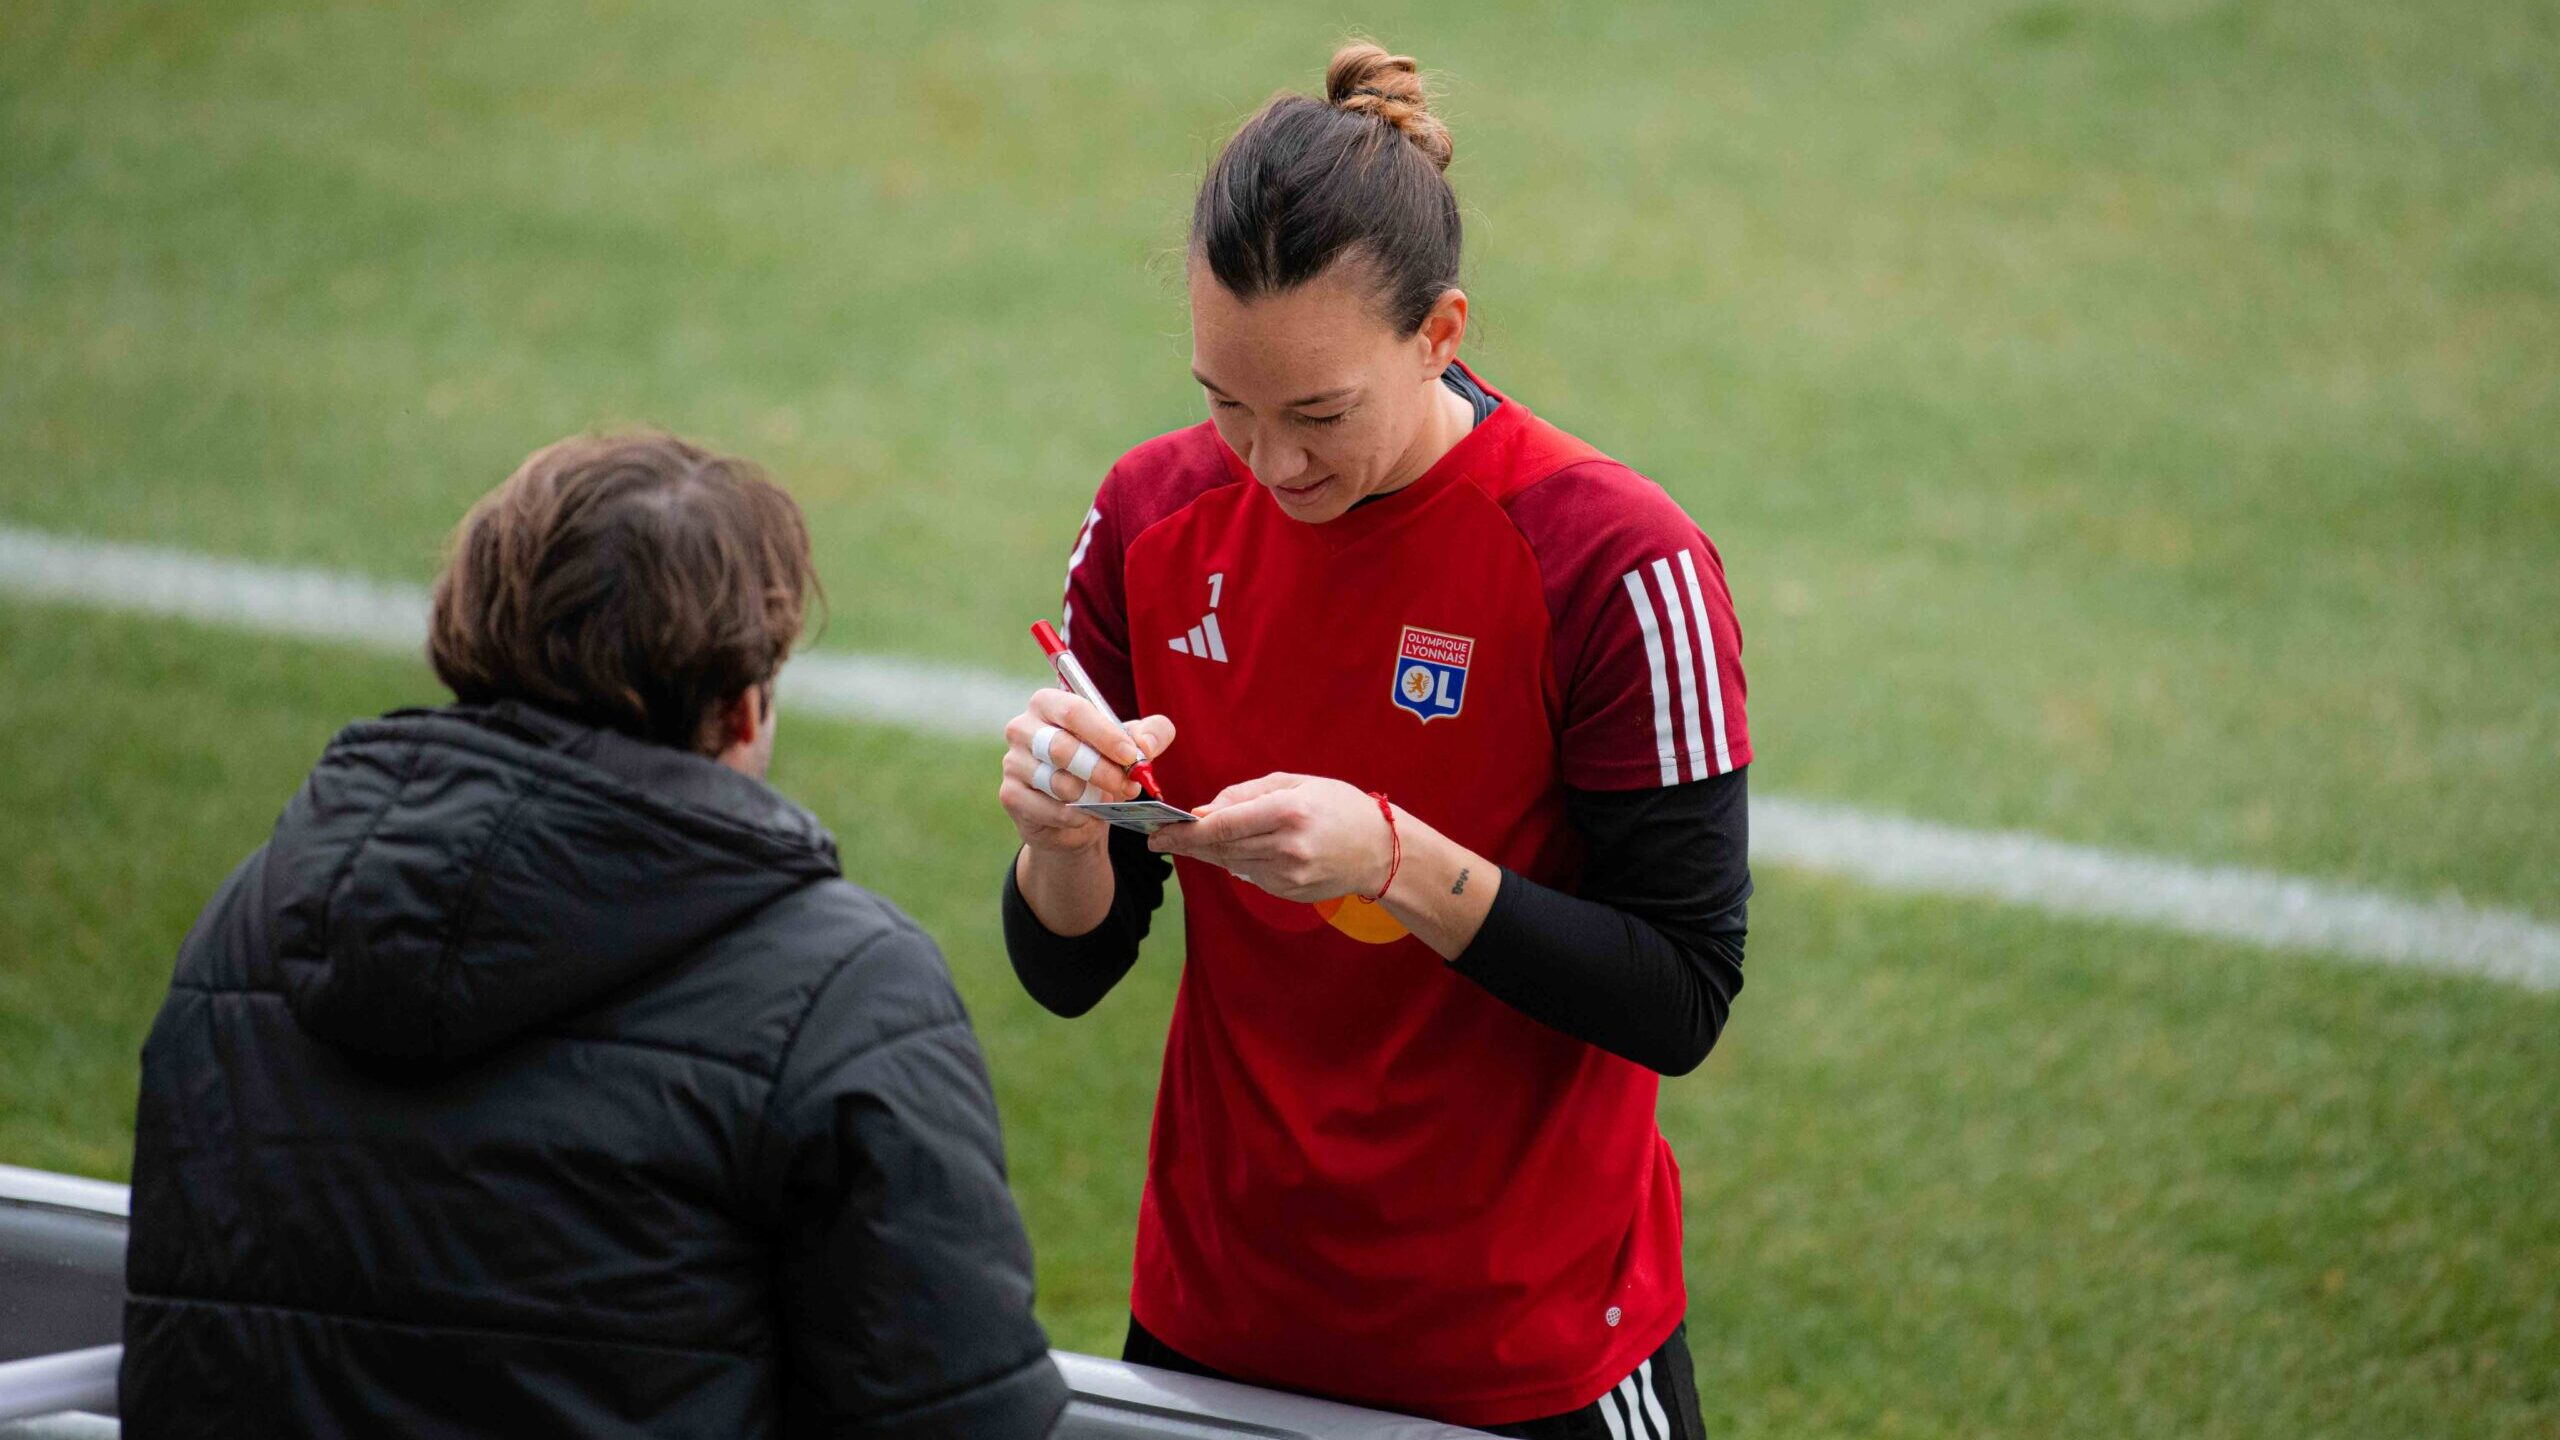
x=532, y=1080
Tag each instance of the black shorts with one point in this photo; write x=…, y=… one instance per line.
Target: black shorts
x=1659, y=1401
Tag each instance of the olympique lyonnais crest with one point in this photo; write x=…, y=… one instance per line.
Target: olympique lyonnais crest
x=1431, y=672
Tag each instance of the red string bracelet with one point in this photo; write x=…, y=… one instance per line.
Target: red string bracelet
x=1395, y=848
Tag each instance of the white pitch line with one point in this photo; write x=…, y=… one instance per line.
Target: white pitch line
x=272, y=600
x=2255, y=907
x=327, y=606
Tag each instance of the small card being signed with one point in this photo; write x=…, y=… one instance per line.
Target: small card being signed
x=1144, y=816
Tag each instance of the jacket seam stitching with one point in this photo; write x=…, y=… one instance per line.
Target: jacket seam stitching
x=469, y=910
x=659, y=1047
x=791, y=1042
x=346, y=867
x=566, y=1037
x=207, y=1302
x=880, y=1046
x=764, y=1114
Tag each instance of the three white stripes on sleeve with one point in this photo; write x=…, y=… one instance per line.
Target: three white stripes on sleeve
x=1643, y=1419
x=1695, y=666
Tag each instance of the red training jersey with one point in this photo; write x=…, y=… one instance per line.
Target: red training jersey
x=1368, y=1177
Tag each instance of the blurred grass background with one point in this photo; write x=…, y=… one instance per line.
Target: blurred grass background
x=2129, y=421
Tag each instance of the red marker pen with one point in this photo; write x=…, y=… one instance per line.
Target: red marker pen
x=1071, y=674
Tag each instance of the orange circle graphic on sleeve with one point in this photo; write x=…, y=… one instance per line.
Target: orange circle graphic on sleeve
x=1362, y=920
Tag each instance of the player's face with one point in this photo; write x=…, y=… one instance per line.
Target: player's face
x=1319, y=396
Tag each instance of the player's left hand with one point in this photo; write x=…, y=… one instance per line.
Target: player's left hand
x=1301, y=837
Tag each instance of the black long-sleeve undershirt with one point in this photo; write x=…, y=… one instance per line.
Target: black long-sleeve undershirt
x=1644, y=962
x=1069, y=974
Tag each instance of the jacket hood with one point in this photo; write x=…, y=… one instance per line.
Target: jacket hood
x=447, y=879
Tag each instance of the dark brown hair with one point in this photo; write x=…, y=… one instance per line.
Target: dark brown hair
x=1308, y=182
x=636, y=582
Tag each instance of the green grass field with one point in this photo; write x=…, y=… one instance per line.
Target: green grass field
x=2131, y=422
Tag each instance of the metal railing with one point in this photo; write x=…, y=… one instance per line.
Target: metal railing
x=62, y=1284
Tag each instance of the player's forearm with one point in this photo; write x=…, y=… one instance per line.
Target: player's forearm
x=1070, y=891
x=1607, y=977
x=1443, y=890
x=1645, y=961
x=1069, y=972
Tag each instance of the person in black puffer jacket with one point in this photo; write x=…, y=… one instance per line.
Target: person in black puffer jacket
x=542, y=1074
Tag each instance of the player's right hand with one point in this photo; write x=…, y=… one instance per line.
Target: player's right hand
x=1042, y=817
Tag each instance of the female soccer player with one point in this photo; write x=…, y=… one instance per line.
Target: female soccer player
x=1466, y=698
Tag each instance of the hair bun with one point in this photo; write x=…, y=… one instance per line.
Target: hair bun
x=1365, y=80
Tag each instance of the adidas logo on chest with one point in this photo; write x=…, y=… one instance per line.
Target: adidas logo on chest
x=1203, y=639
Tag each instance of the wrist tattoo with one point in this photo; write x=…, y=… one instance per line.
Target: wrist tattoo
x=1461, y=887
